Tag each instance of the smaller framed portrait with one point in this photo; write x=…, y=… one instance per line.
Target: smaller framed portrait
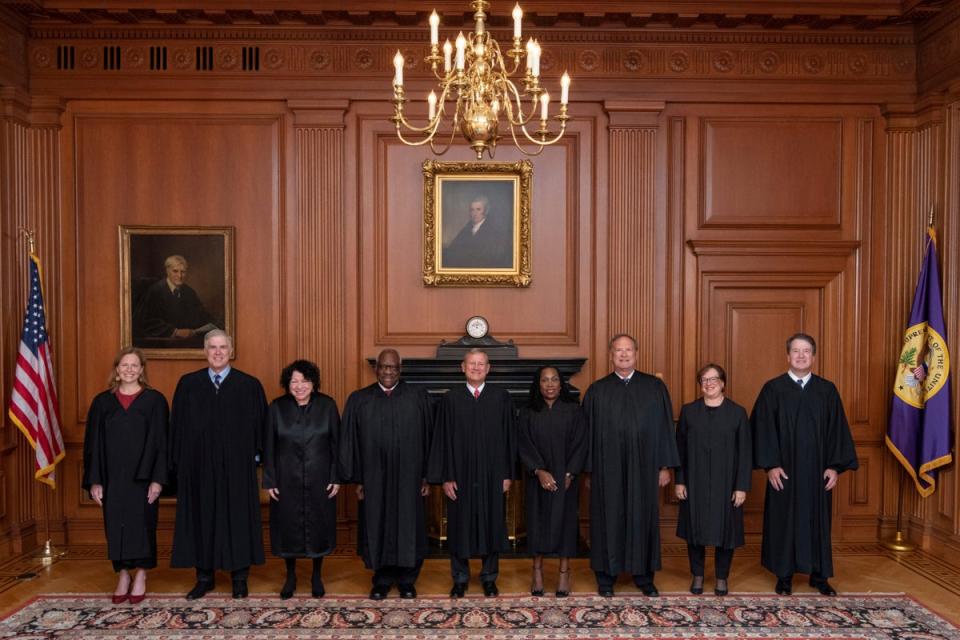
x=476, y=223
x=176, y=284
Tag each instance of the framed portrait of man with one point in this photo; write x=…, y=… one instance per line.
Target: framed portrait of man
x=476, y=223
x=176, y=284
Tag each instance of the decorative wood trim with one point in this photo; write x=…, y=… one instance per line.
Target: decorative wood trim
x=773, y=247
x=631, y=237
x=319, y=140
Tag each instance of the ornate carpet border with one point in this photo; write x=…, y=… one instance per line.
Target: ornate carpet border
x=672, y=617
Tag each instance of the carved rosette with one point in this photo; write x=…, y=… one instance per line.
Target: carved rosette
x=228, y=58
x=320, y=59
x=88, y=57
x=182, y=59
x=135, y=57
x=42, y=57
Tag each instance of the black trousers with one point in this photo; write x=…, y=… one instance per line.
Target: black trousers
x=389, y=576
x=460, y=568
x=608, y=580
x=722, y=560
x=206, y=575
x=138, y=563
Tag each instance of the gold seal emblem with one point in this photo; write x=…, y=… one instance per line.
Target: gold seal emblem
x=923, y=367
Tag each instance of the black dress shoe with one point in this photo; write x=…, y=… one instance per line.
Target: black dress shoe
x=696, y=587
x=317, y=590
x=650, y=590
x=459, y=588
x=490, y=589
x=286, y=595
x=199, y=590
x=240, y=589
x=606, y=592
x=407, y=591
x=823, y=587
x=379, y=592
x=720, y=589
x=784, y=586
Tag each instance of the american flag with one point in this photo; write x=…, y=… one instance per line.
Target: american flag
x=33, y=403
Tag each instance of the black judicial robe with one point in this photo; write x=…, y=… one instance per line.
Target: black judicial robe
x=473, y=445
x=805, y=431
x=553, y=439
x=716, y=456
x=214, y=439
x=300, y=459
x=384, y=447
x=632, y=437
x=124, y=451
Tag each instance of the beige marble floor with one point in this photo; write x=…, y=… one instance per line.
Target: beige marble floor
x=860, y=569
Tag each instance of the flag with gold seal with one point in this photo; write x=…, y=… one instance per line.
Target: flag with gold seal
x=919, y=431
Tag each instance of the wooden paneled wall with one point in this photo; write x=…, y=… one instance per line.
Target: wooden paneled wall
x=716, y=192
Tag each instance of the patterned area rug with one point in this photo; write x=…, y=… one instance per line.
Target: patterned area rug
x=873, y=617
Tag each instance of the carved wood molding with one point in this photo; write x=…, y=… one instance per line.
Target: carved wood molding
x=938, y=51
x=837, y=248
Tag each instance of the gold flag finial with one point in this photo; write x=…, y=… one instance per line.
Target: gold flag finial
x=31, y=239
x=930, y=217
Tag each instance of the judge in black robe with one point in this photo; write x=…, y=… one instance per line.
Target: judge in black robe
x=216, y=430
x=473, y=456
x=552, y=444
x=385, y=443
x=802, y=439
x=125, y=466
x=713, y=479
x=301, y=473
x=633, y=445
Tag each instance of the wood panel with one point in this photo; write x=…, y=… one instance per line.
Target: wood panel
x=771, y=172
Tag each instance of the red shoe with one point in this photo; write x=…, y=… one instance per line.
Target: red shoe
x=137, y=599
x=121, y=599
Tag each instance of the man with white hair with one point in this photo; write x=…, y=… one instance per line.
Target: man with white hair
x=216, y=431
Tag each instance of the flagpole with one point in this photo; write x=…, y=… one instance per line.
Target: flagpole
x=48, y=553
x=900, y=541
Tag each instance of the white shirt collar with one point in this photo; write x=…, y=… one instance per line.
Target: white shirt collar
x=805, y=378
x=477, y=225
x=385, y=389
x=473, y=389
x=629, y=377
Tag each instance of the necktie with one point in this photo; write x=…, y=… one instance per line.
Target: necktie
x=388, y=392
x=476, y=393
x=216, y=381
x=176, y=292
x=800, y=382
x=626, y=381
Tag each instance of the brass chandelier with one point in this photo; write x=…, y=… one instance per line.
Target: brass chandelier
x=478, y=87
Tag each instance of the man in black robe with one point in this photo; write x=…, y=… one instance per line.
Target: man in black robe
x=632, y=448
x=473, y=456
x=485, y=241
x=802, y=440
x=215, y=435
x=384, y=443
x=171, y=309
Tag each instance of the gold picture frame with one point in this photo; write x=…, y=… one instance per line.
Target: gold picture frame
x=172, y=276
x=463, y=249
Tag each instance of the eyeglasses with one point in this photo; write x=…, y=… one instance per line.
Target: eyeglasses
x=713, y=380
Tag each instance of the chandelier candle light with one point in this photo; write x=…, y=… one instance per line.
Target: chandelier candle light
x=478, y=86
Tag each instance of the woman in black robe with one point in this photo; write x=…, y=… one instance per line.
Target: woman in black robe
x=715, y=446
x=125, y=468
x=301, y=473
x=553, y=448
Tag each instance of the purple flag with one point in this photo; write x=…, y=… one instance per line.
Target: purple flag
x=919, y=433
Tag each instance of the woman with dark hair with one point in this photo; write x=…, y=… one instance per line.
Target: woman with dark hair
x=125, y=467
x=301, y=474
x=553, y=449
x=715, y=446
